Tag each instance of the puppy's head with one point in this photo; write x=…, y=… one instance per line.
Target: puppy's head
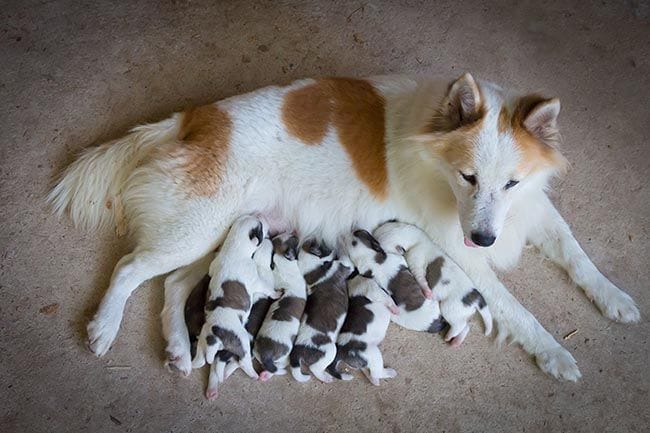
x=492, y=147
x=285, y=259
x=370, y=258
x=248, y=232
x=314, y=259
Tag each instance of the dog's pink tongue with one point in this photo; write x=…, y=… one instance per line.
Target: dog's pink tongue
x=469, y=243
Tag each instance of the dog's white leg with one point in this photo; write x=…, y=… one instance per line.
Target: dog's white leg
x=131, y=271
x=376, y=368
x=297, y=374
x=246, y=364
x=178, y=287
x=514, y=321
x=555, y=240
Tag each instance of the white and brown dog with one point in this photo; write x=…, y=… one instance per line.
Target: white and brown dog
x=235, y=284
x=466, y=160
x=275, y=339
x=439, y=276
x=325, y=310
x=369, y=312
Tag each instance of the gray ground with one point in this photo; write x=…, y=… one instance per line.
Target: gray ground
x=76, y=73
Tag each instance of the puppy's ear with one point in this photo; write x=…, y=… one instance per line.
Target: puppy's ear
x=257, y=233
x=324, y=250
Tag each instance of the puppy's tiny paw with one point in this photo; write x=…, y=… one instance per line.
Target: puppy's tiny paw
x=264, y=376
x=427, y=293
x=211, y=393
x=389, y=373
x=559, y=363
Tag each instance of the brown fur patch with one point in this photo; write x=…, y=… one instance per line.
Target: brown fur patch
x=356, y=110
x=204, y=146
x=306, y=113
x=257, y=315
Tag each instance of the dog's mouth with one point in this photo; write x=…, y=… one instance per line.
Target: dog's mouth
x=469, y=242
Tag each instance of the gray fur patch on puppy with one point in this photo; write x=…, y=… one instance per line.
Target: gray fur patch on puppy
x=234, y=296
x=474, y=298
x=358, y=318
x=434, y=271
x=289, y=308
x=405, y=290
x=230, y=341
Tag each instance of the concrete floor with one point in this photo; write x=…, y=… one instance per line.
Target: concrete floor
x=75, y=73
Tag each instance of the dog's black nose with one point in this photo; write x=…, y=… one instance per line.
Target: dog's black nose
x=483, y=239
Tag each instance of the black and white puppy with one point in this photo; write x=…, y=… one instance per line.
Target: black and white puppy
x=325, y=311
x=390, y=271
x=369, y=312
x=440, y=275
x=275, y=339
x=235, y=283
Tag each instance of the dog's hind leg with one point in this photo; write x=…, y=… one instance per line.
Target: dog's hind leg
x=178, y=287
x=172, y=247
x=554, y=238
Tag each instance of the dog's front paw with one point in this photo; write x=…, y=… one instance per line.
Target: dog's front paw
x=619, y=306
x=102, y=331
x=559, y=363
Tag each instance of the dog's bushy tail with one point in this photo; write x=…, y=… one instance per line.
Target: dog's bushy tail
x=89, y=189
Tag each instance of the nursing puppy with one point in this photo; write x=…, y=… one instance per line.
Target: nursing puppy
x=369, y=312
x=234, y=284
x=438, y=275
x=226, y=362
x=390, y=271
x=275, y=339
x=325, y=311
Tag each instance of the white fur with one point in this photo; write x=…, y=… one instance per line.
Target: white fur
x=314, y=189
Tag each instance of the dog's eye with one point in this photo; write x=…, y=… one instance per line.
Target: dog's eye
x=470, y=178
x=511, y=183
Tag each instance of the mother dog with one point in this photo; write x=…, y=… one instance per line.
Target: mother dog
x=468, y=162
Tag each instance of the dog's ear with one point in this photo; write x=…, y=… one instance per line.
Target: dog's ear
x=539, y=116
x=463, y=105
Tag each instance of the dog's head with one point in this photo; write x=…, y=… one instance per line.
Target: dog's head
x=492, y=148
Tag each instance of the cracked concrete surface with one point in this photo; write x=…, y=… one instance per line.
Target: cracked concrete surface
x=77, y=73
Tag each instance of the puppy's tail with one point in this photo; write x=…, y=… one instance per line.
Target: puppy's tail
x=487, y=319
x=90, y=188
